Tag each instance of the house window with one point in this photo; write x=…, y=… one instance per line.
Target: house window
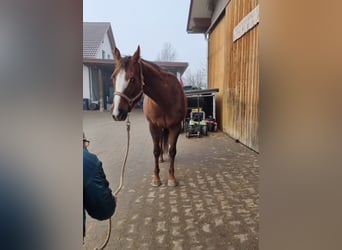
x=103, y=54
x=108, y=56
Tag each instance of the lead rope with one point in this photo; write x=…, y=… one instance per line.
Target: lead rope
x=119, y=188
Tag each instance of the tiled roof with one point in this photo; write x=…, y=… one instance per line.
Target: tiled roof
x=93, y=34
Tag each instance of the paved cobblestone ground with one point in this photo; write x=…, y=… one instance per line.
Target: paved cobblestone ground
x=215, y=205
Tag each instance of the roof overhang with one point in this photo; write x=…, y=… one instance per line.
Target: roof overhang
x=204, y=14
x=109, y=64
x=201, y=92
x=174, y=67
x=199, y=19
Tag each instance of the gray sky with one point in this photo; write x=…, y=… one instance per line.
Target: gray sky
x=150, y=24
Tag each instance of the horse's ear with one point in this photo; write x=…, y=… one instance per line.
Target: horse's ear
x=136, y=55
x=117, y=54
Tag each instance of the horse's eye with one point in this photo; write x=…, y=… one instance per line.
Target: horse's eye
x=132, y=80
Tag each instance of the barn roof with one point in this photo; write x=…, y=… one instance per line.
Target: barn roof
x=93, y=35
x=203, y=14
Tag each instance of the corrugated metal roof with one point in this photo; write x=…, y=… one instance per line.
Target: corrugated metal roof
x=93, y=34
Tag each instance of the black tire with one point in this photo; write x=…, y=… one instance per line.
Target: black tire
x=93, y=106
x=205, y=130
x=186, y=126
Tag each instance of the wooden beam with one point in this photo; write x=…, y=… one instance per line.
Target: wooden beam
x=101, y=90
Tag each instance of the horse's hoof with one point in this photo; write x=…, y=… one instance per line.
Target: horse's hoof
x=156, y=183
x=172, y=183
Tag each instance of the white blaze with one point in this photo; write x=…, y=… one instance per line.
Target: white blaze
x=120, y=85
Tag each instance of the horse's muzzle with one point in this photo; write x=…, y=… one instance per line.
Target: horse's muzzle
x=121, y=116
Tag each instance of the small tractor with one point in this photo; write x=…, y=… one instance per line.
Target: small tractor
x=197, y=125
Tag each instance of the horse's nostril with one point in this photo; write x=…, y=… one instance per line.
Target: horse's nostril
x=121, y=116
x=122, y=113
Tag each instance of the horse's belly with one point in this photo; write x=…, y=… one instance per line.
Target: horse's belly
x=159, y=117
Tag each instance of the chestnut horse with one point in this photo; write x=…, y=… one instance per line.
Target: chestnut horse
x=164, y=104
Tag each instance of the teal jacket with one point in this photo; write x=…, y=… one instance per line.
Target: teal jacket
x=98, y=199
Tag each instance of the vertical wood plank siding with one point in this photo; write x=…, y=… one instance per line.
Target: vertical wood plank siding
x=234, y=69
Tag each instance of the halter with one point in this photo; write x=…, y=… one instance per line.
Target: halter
x=135, y=98
x=129, y=100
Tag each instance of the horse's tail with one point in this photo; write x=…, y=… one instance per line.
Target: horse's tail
x=165, y=140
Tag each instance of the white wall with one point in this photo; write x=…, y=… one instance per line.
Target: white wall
x=86, y=86
x=105, y=45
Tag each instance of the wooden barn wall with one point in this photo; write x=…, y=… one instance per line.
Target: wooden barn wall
x=234, y=69
x=217, y=63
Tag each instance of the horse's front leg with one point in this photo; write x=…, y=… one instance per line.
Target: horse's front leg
x=173, y=137
x=155, y=133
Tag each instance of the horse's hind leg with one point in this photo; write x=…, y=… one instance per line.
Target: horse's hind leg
x=156, y=133
x=164, y=143
x=161, y=142
x=173, y=137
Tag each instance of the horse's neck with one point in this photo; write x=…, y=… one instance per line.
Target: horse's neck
x=153, y=85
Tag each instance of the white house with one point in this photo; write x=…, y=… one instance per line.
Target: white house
x=98, y=62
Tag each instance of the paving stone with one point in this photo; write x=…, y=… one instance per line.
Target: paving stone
x=215, y=206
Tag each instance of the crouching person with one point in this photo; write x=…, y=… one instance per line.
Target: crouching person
x=98, y=199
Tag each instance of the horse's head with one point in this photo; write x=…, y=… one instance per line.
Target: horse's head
x=128, y=84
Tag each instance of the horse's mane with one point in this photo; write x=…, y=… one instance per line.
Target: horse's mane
x=123, y=64
x=125, y=60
